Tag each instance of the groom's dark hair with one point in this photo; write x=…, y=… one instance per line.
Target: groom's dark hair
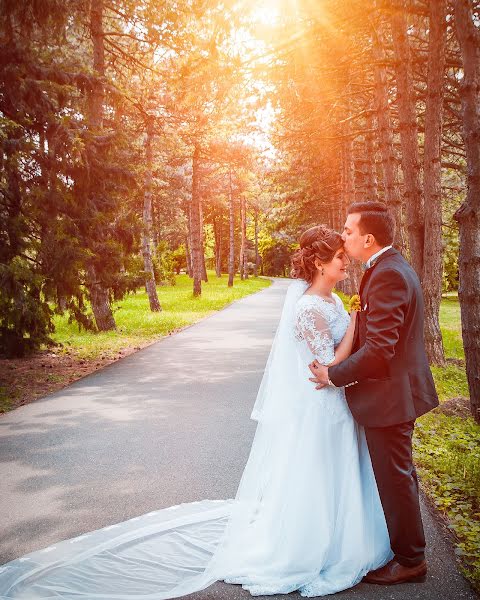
x=375, y=219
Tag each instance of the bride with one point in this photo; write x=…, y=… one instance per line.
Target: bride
x=306, y=516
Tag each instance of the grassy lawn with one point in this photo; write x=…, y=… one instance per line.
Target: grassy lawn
x=137, y=325
x=447, y=448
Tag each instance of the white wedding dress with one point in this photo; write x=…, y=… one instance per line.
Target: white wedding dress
x=306, y=517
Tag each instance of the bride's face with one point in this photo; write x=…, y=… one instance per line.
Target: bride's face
x=336, y=269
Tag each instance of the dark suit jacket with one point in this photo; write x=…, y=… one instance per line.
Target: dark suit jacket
x=387, y=375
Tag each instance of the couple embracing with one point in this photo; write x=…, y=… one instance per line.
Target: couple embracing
x=329, y=494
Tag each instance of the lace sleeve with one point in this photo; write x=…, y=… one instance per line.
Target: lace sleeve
x=312, y=326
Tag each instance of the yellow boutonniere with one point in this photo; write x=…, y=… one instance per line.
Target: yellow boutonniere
x=354, y=303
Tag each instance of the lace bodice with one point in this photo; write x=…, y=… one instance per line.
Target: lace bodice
x=320, y=325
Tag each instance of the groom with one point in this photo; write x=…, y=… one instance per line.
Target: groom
x=388, y=381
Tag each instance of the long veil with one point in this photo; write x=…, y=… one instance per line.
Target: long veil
x=182, y=549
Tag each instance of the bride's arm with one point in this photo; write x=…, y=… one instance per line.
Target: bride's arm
x=344, y=348
x=315, y=330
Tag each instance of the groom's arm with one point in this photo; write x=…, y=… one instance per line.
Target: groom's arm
x=387, y=299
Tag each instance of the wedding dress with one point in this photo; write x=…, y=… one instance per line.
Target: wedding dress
x=306, y=517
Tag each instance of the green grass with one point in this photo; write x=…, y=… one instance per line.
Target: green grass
x=6, y=399
x=450, y=381
x=447, y=450
x=451, y=327
x=53, y=378
x=137, y=325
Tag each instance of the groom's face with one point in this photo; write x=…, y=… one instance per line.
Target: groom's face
x=354, y=241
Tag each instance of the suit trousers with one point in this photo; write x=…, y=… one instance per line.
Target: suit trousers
x=391, y=454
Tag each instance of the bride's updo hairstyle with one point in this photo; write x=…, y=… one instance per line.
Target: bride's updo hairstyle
x=319, y=242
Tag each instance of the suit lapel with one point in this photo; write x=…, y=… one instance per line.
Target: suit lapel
x=368, y=273
x=363, y=283
x=356, y=335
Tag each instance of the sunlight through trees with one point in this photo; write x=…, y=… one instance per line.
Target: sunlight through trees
x=141, y=138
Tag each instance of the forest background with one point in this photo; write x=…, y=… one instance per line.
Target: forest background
x=184, y=145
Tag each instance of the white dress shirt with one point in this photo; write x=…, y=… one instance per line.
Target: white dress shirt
x=376, y=255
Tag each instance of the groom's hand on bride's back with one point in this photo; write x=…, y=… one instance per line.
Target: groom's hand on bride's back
x=320, y=374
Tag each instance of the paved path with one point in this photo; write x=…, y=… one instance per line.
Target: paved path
x=166, y=425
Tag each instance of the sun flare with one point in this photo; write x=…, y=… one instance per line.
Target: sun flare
x=266, y=12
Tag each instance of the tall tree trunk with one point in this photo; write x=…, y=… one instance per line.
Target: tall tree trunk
x=371, y=191
x=231, y=237
x=99, y=296
x=147, y=219
x=97, y=94
x=350, y=285
x=217, y=233
x=408, y=136
x=385, y=141
x=337, y=210
x=360, y=171
x=341, y=211
x=196, y=238
x=188, y=240
x=432, y=183
x=202, y=243
x=468, y=215
x=242, y=241
x=243, y=245
x=155, y=221
x=348, y=170
x=188, y=253
x=100, y=301
x=255, y=268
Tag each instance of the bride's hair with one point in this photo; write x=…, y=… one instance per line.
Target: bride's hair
x=317, y=242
